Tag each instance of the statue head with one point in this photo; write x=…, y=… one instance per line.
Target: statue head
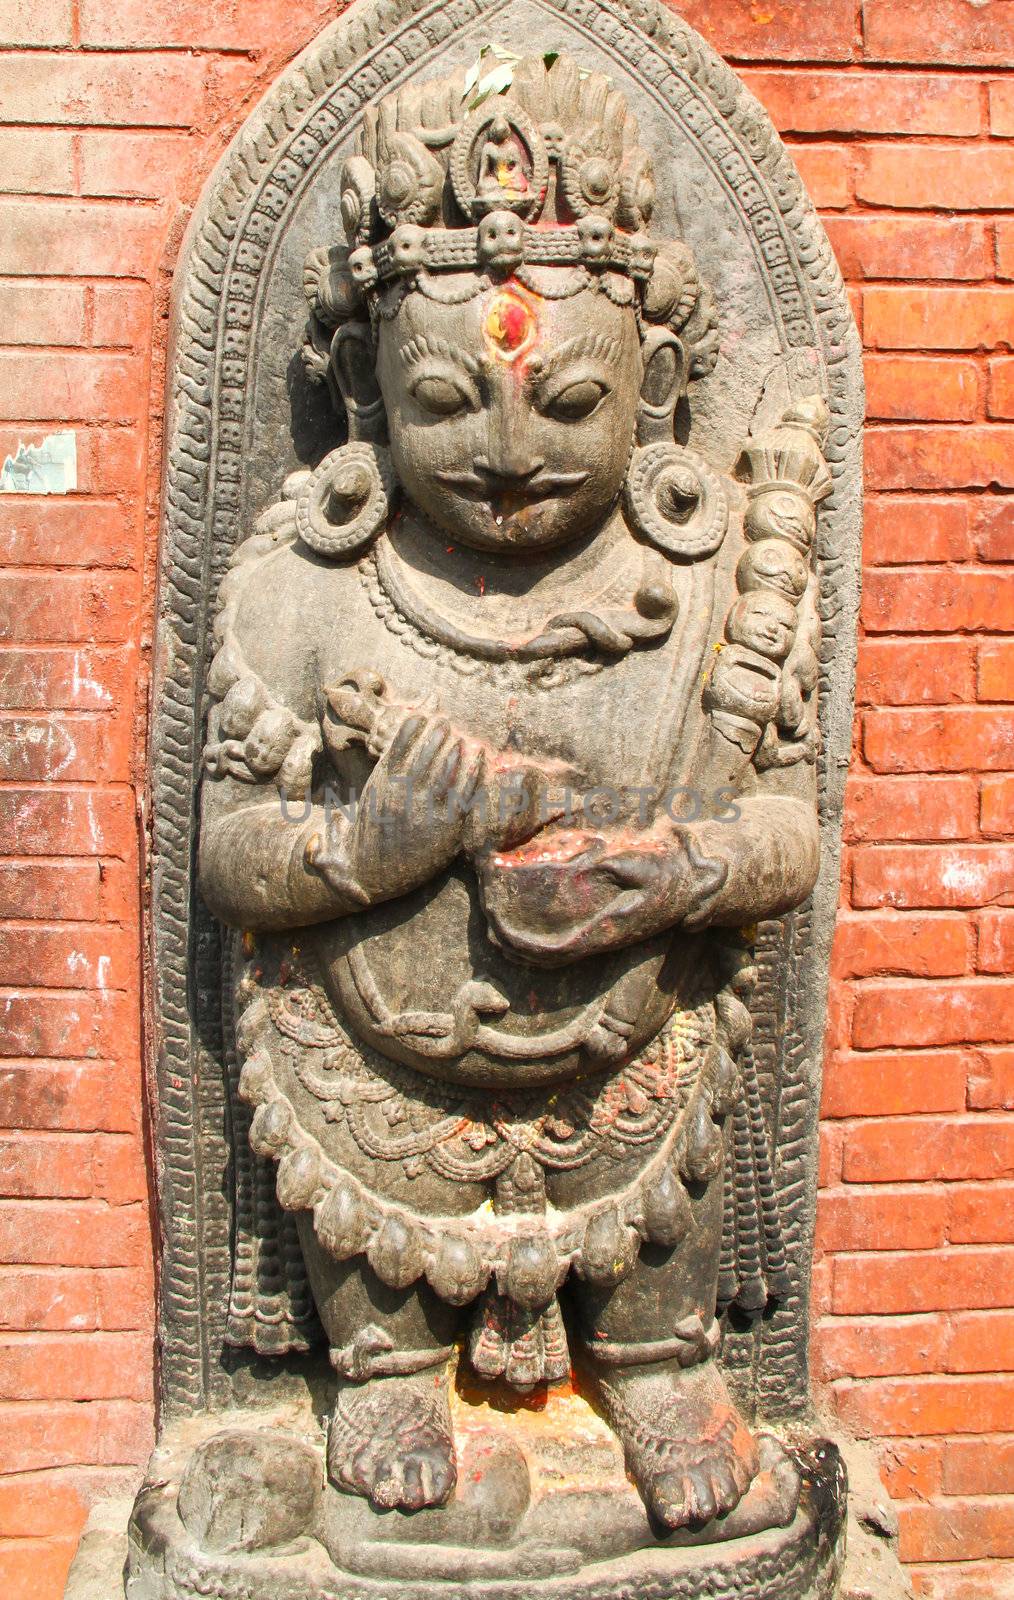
x=499, y=312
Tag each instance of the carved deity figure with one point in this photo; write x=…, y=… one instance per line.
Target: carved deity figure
x=512, y=744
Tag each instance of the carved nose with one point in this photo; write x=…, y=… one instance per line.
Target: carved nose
x=508, y=466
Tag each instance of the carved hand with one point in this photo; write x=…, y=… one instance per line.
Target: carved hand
x=409, y=822
x=571, y=895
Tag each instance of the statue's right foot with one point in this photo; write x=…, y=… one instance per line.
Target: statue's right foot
x=390, y=1441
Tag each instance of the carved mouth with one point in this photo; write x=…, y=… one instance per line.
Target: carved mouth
x=504, y=501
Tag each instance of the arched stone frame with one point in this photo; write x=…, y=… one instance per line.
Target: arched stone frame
x=221, y=468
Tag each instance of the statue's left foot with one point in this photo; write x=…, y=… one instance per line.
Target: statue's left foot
x=390, y=1440
x=687, y=1448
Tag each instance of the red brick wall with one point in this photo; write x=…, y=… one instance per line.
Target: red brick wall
x=903, y=124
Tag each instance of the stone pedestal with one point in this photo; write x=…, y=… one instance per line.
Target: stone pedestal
x=243, y=1513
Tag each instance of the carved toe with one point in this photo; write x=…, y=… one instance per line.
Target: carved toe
x=391, y=1442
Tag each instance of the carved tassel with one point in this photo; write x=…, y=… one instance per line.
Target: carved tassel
x=341, y=1223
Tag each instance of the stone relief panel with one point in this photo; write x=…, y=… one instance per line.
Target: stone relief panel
x=509, y=597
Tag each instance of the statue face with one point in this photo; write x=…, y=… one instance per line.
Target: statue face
x=511, y=417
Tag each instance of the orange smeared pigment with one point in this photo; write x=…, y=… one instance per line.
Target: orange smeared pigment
x=510, y=323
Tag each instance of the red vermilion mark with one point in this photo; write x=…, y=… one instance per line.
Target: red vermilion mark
x=510, y=324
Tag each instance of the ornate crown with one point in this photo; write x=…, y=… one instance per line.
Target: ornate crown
x=546, y=174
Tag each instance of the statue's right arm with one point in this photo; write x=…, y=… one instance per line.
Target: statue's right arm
x=257, y=813
x=252, y=863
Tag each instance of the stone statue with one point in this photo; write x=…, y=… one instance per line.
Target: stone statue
x=497, y=932
x=512, y=743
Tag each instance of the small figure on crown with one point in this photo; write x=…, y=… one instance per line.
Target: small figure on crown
x=493, y=1006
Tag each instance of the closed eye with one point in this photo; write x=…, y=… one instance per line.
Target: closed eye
x=445, y=391
x=572, y=396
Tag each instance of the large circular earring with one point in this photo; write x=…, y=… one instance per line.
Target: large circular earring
x=676, y=502
x=346, y=504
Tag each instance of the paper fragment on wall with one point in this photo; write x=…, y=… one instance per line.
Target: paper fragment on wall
x=46, y=468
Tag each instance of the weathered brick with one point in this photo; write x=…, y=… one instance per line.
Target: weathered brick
x=48, y=822
x=982, y=1213
x=110, y=460
x=804, y=101
x=902, y=529
x=40, y=1505
x=996, y=670
x=51, y=238
x=906, y=1407
x=62, y=1233
x=977, y=1010
x=977, y=1467
x=35, y=23
x=1001, y=108
x=64, y=747
x=935, y=177
x=938, y=318
x=827, y=172
x=65, y=607
x=922, y=389
x=62, y=1026
x=883, y=1347
x=72, y=680
x=928, y=600
x=33, y=1567
x=980, y=1341
x=67, y=957
x=947, y=31
x=784, y=30
x=51, y=1166
x=41, y=313
x=84, y=1095
x=50, y=889
x=79, y=1299
x=1000, y=398
x=997, y=806
x=36, y=1435
x=996, y=942
x=920, y=877
x=199, y=24
x=930, y=1149
x=94, y=1366
x=1004, y=249
x=882, y=1219
x=121, y=316
x=134, y=165
x=976, y=456
x=946, y=1531
x=36, y=161
x=870, y=1085
x=908, y=808
x=157, y=90
x=69, y=533
x=919, y=1281
x=924, y=947
x=884, y=246
x=901, y=672
x=70, y=386
x=955, y=739
x=831, y=1145
x=911, y=1469
x=993, y=528
x=991, y=1081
